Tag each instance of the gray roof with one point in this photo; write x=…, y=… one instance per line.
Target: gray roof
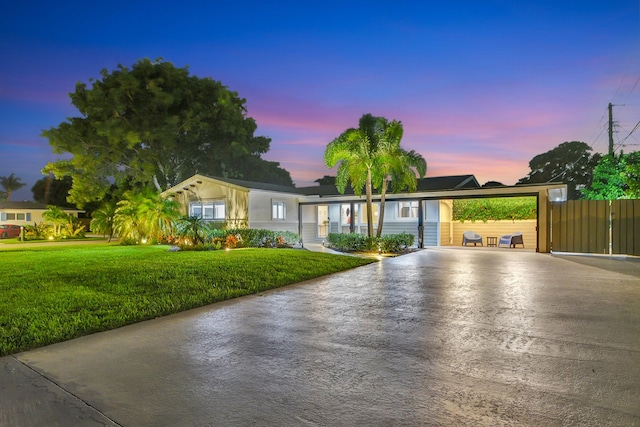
x=23, y=205
x=258, y=185
x=438, y=183
x=26, y=205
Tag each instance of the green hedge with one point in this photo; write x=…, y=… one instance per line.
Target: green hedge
x=244, y=238
x=511, y=208
x=353, y=242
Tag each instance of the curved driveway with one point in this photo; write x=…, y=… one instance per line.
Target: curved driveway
x=437, y=337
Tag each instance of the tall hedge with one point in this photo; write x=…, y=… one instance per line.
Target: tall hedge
x=511, y=208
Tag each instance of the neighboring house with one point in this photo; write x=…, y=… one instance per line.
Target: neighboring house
x=26, y=213
x=314, y=212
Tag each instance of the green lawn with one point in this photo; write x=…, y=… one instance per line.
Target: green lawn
x=52, y=294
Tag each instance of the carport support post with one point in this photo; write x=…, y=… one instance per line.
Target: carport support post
x=420, y=224
x=352, y=216
x=300, y=225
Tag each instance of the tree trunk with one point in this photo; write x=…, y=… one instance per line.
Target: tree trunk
x=369, y=190
x=157, y=184
x=383, y=194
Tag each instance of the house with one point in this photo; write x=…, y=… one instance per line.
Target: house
x=314, y=212
x=26, y=213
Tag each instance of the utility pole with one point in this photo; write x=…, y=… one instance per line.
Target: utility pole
x=610, y=129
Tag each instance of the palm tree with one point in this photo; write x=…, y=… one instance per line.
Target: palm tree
x=355, y=151
x=395, y=164
x=127, y=224
x=145, y=215
x=102, y=219
x=159, y=214
x=372, y=154
x=10, y=183
x=57, y=217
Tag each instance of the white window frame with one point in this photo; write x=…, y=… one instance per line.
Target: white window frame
x=278, y=210
x=218, y=209
x=413, y=206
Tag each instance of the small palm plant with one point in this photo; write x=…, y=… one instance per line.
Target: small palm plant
x=102, y=219
x=145, y=216
x=57, y=217
x=193, y=229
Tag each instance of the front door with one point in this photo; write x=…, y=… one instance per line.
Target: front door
x=323, y=221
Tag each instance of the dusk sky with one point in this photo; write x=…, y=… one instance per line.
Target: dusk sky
x=481, y=87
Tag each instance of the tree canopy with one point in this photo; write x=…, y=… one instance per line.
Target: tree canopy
x=156, y=125
x=51, y=191
x=570, y=163
x=615, y=177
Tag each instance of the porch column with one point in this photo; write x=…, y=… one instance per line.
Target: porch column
x=351, y=216
x=300, y=224
x=420, y=224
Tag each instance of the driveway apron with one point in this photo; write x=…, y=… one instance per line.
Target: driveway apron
x=437, y=337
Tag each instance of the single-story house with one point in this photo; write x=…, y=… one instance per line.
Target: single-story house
x=26, y=213
x=314, y=212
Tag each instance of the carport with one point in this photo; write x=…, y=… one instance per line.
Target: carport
x=543, y=193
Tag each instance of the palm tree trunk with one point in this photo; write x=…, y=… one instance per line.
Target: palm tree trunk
x=383, y=194
x=369, y=204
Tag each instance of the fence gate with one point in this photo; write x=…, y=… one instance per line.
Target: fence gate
x=587, y=226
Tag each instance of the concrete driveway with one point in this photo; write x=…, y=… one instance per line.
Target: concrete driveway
x=438, y=337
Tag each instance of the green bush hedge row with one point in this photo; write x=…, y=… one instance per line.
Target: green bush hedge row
x=244, y=238
x=353, y=242
x=494, y=209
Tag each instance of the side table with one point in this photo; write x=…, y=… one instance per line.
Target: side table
x=492, y=242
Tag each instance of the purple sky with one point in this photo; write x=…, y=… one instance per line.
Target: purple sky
x=481, y=87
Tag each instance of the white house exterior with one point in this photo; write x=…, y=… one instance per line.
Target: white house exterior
x=314, y=212
x=26, y=213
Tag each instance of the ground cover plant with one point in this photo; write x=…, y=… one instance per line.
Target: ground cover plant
x=53, y=294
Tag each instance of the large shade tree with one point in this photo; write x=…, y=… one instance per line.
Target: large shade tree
x=614, y=177
x=52, y=191
x=10, y=184
x=570, y=162
x=369, y=156
x=156, y=125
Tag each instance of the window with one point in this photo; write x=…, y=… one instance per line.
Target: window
x=374, y=209
x=20, y=217
x=277, y=210
x=11, y=216
x=408, y=209
x=210, y=211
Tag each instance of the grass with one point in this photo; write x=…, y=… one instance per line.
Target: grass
x=53, y=294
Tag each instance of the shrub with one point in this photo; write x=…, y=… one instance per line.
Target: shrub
x=391, y=243
x=353, y=242
x=217, y=238
x=38, y=231
x=494, y=209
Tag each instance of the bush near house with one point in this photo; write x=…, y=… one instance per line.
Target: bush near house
x=41, y=231
x=514, y=208
x=214, y=238
x=353, y=242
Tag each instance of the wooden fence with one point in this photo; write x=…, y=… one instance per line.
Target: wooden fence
x=596, y=226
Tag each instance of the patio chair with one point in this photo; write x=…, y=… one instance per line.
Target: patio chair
x=471, y=237
x=511, y=240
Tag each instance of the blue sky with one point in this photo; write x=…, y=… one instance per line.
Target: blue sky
x=481, y=87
